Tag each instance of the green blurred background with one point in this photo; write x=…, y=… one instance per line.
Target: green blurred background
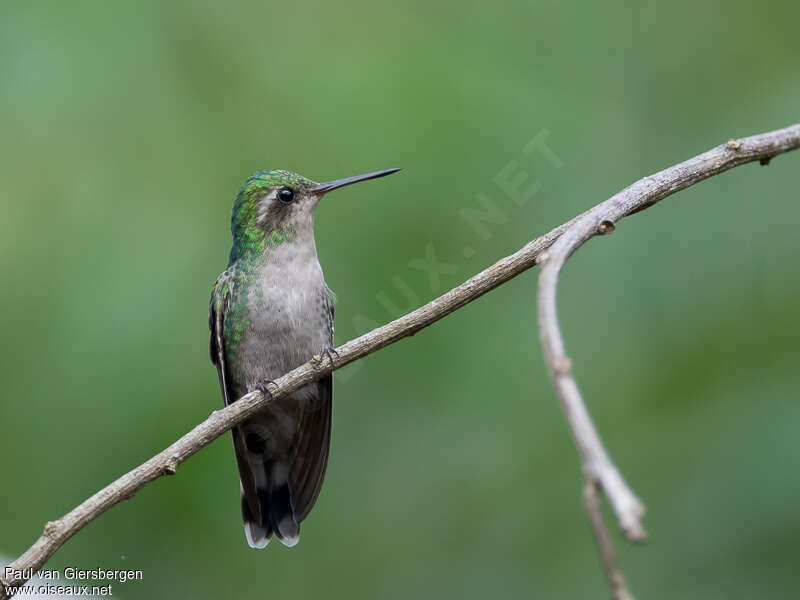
x=125, y=131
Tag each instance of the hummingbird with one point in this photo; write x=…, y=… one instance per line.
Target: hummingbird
x=270, y=312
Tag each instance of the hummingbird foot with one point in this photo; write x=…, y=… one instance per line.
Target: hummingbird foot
x=330, y=353
x=263, y=387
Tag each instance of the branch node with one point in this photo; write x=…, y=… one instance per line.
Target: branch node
x=562, y=366
x=734, y=144
x=50, y=528
x=605, y=227
x=542, y=258
x=171, y=466
x=765, y=161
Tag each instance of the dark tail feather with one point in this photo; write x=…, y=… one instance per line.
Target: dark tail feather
x=277, y=508
x=279, y=490
x=274, y=509
x=257, y=535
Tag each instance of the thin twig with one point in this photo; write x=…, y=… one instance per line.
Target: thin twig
x=597, y=465
x=608, y=557
x=601, y=220
x=56, y=533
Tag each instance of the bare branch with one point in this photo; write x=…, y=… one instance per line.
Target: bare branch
x=597, y=465
x=640, y=195
x=616, y=582
x=600, y=220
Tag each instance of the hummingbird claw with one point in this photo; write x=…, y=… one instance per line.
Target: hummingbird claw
x=263, y=387
x=330, y=353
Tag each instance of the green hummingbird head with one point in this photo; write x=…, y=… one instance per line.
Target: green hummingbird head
x=278, y=206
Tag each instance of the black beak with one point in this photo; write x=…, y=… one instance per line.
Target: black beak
x=324, y=188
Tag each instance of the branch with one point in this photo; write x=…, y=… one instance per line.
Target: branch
x=616, y=582
x=640, y=195
x=600, y=471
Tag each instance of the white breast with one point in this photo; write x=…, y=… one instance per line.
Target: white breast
x=288, y=313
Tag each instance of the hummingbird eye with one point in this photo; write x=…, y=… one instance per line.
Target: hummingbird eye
x=286, y=195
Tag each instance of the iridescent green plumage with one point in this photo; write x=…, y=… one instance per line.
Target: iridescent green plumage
x=248, y=238
x=251, y=240
x=270, y=312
